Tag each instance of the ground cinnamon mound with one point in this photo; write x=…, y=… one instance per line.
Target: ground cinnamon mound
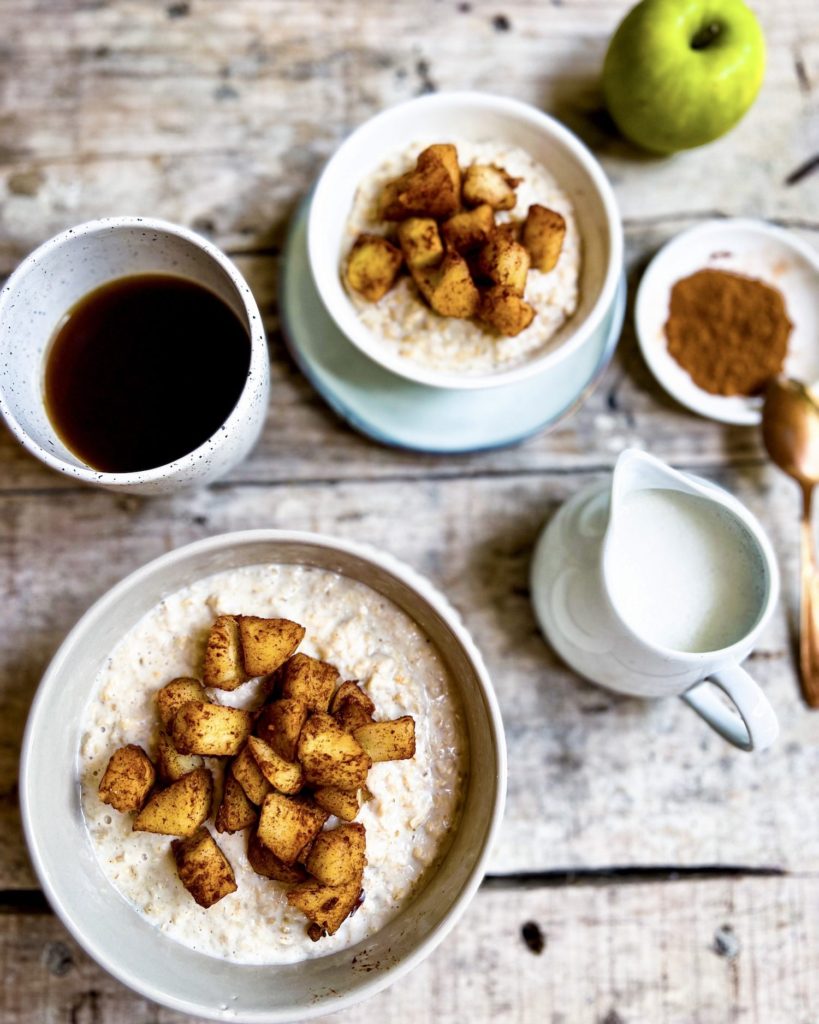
x=729, y=332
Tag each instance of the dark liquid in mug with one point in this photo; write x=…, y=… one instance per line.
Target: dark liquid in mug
x=143, y=370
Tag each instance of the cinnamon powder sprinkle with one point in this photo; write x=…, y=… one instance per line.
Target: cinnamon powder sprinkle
x=729, y=332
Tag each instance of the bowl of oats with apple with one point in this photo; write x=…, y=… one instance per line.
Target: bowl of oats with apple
x=463, y=240
x=261, y=776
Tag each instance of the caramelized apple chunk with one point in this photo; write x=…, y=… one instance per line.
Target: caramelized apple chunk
x=128, y=779
x=235, y=811
x=180, y=809
x=176, y=693
x=213, y=730
x=330, y=756
x=372, y=266
x=309, y=680
x=338, y=855
x=388, y=741
x=223, y=668
x=203, y=869
x=543, y=234
x=267, y=643
x=431, y=189
x=287, y=824
x=420, y=242
x=486, y=183
x=504, y=310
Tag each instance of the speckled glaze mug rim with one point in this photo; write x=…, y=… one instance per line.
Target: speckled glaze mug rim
x=256, y=375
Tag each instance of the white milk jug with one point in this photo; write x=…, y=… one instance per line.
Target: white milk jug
x=658, y=584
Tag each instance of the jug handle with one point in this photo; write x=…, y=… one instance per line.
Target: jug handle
x=753, y=726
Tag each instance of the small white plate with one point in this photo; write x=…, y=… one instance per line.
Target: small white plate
x=403, y=414
x=755, y=249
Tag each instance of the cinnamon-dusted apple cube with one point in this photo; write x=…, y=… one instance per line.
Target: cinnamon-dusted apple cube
x=171, y=764
x=431, y=189
x=128, y=779
x=372, y=266
x=247, y=773
x=350, y=690
x=267, y=643
x=469, y=229
x=420, y=242
x=388, y=741
x=279, y=724
x=326, y=906
x=449, y=288
x=288, y=823
x=543, y=234
x=235, y=811
x=510, y=230
x=176, y=693
x=264, y=862
x=351, y=715
x=504, y=263
x=203, y=869
x=285, y=776
x=486, y=183
x=180, y=809
x=338, y=855
x=447, y=155
x=223, y=668
x=343, y=803
x=213, y=730
x=310, y=680
x=504, y=310
x=330, y=756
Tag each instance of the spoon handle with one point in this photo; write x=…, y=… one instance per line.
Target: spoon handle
x=809, y=624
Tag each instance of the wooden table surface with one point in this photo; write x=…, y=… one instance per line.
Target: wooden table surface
x=674, y=879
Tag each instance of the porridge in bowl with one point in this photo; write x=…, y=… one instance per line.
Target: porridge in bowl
x=366, y=786
x=463, y=257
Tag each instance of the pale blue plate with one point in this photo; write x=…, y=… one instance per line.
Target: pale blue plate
x=404, y=414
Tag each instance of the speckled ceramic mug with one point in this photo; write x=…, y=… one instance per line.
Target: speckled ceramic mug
x=57, y=275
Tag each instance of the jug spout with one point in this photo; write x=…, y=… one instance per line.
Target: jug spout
x=636, y=470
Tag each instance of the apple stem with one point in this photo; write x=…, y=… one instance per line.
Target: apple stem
x=706, y=35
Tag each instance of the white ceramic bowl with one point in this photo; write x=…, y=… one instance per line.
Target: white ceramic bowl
x=133, y=950
x=477, y=117
x=54, y=277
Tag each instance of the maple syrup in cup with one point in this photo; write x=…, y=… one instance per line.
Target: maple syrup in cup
x=133, y=357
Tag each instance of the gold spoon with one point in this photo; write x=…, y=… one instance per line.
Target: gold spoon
x=790, y=431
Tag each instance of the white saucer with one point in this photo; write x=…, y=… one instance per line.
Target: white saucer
x=401, y=413
x=755, y=249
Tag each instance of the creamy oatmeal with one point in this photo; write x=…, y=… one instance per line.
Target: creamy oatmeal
x=413, y=331
x=410, y=809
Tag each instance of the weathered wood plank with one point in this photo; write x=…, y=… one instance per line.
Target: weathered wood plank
x=221, y=116
x=595, y=779
x=707, y=951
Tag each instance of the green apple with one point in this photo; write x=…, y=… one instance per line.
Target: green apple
x=680, y=73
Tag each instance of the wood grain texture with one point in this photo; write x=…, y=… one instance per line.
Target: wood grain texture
x=709, y=952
